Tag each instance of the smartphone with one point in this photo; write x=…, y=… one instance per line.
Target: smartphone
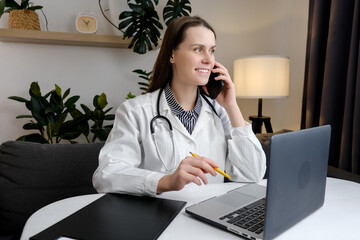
x=214, y=87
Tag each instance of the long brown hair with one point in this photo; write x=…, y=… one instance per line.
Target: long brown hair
x=174, y=35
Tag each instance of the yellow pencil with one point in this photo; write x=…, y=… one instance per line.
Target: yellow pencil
x=216, y=169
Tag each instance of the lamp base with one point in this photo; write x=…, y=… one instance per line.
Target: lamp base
x=258, y=121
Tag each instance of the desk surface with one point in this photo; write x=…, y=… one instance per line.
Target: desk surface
x=337, y=219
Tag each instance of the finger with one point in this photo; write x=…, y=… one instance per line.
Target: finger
x=219, y=65
x=205, y=165
x=208, y=161
x=195, y=168
x=199, y=174
x=184, y=177
x=220, y=69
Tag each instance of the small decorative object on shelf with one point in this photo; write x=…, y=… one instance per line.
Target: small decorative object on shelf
x=24, y=19
x=21, y=16
x=86, y=22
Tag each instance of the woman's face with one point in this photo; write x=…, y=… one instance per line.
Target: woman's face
x=194, y=58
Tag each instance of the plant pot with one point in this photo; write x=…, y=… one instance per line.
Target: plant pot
x=24, y=19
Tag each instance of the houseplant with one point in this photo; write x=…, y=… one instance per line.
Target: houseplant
x=21, y=15
x=50, y=113
x=142, y=24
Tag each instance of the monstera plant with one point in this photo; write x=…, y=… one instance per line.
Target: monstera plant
x=145, y=79
x=142, y=24
x=50, y=115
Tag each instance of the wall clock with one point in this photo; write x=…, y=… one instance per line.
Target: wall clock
x=86, y=23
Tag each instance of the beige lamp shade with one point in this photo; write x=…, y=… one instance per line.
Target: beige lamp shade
x=262, y=76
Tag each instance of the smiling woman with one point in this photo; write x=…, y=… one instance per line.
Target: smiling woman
x=182, y=120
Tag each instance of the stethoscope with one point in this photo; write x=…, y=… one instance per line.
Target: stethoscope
x=161, y=117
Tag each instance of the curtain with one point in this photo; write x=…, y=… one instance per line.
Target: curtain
x=331, y=93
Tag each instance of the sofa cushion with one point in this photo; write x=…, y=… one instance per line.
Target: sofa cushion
x=33, y=175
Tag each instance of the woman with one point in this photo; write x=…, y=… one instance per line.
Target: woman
x=141, y=156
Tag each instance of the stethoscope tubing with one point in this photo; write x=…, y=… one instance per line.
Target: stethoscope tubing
x=159, y=116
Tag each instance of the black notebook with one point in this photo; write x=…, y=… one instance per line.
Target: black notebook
x=116, y=216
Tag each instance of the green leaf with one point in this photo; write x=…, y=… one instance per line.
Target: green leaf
x=85, y=108
x=51, y=109
x=48, y=94
x=125, y=23
x=95, y=101
x=2, y=7
x=58, y=90
x=31, y=126
x=69, y=135
x=102, y=102
x=19, y=99
x=37, y=106
x=108, y=110
x=75, y=113
x=142, y=25
x=34, y=137
x=79, y=124
x=12, y=4
x=24, y=3
x=59, y=120
x=109, y=117
x=139, y=71
x=67, y=92
x=55, y=99
x=35, y=8
x=101, y=134
x=144, y=89
x=24, y=116
x=71, y=101
x=143, y=84
x=130, y=96
x=35, y=89
x=175, y=9
x=98, y=114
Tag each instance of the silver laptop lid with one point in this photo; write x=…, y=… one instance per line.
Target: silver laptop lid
x=297, y=177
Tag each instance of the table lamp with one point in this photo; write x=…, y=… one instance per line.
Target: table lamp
x=261, y=77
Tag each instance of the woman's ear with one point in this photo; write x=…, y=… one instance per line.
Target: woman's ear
x=172, y=59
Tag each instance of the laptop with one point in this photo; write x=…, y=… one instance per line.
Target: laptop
x=295, y=189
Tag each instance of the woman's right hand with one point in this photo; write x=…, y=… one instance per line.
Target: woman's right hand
x=191, y=169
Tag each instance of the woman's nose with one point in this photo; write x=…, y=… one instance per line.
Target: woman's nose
x=207, y=57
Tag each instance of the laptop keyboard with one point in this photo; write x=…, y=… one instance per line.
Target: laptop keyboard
x=250, y=217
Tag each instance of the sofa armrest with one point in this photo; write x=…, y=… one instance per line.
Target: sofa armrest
x=33, y=175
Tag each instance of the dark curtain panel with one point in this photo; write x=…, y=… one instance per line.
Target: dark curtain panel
x=332, y=78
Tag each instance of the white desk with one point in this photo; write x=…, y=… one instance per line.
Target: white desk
x=339, y=218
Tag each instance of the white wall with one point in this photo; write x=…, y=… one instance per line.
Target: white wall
x=244, y=27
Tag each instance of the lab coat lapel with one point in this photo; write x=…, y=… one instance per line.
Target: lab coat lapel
x=166, y=111
x=204, y=118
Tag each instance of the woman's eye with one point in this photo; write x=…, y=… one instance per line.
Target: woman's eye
x=212, y=51
x=197, y=50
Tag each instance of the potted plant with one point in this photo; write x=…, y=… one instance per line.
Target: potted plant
x=50, y=113
x=21, y=15
x=142, y=23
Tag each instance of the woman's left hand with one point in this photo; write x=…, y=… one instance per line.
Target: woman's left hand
x=227, y=97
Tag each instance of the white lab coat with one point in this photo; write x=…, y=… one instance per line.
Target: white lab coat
x=129, y=161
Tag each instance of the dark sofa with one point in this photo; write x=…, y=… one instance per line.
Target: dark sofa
x=34, y=175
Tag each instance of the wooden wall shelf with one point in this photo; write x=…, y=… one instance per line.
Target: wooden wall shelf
x=62, y=38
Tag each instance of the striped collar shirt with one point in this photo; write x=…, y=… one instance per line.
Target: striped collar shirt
x=187, y=118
